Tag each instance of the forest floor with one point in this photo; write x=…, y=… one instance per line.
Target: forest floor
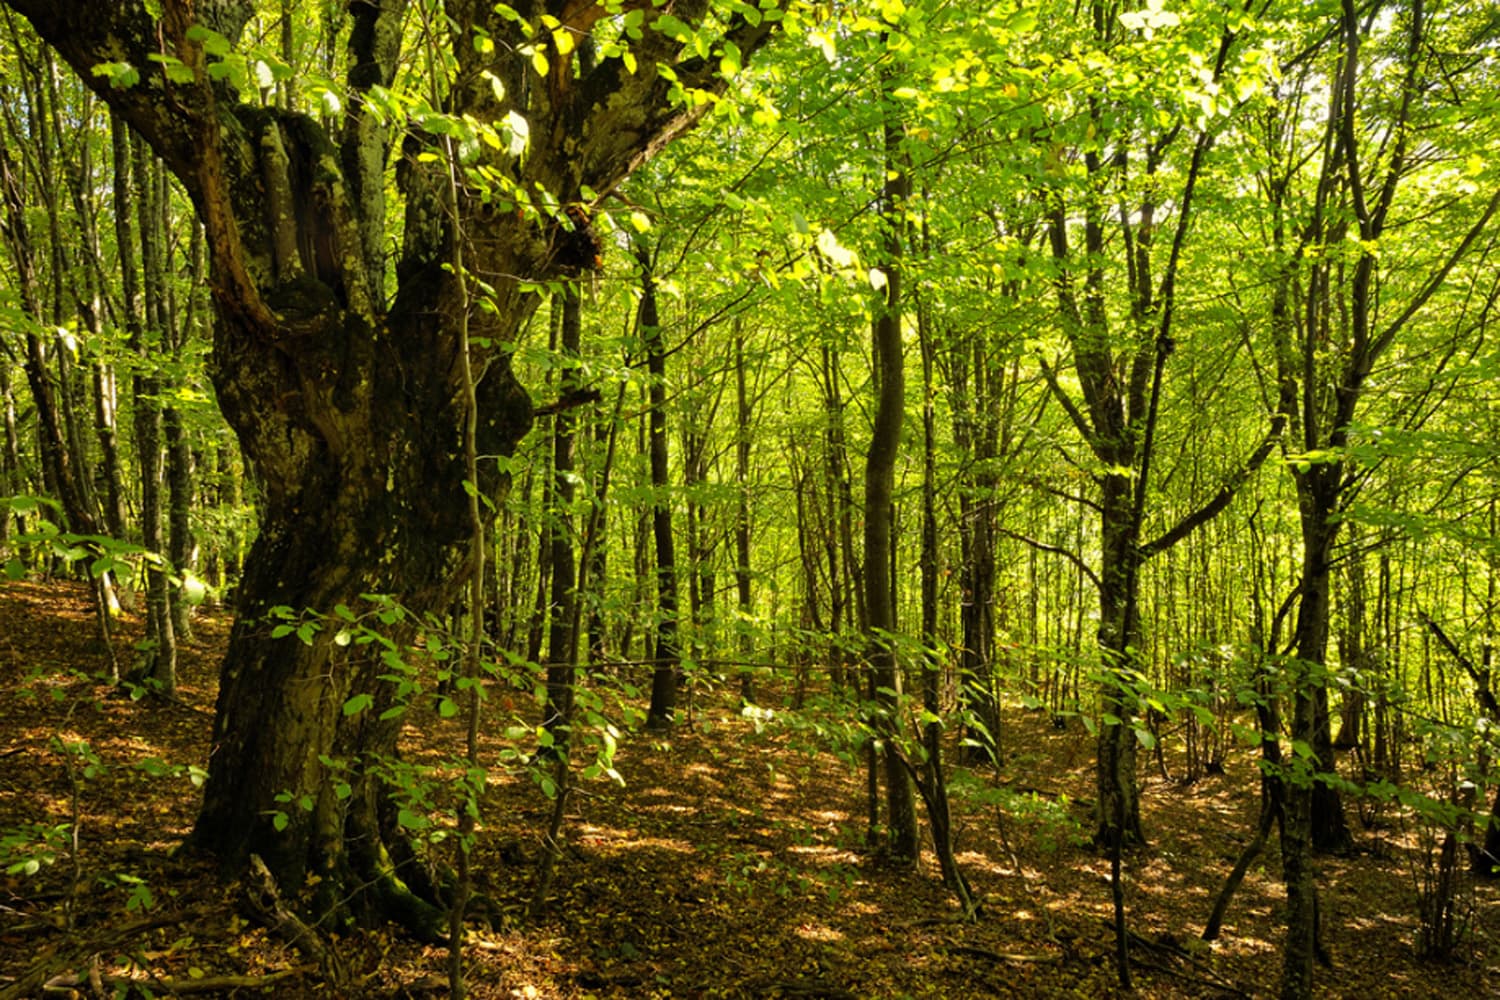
x=729, y=864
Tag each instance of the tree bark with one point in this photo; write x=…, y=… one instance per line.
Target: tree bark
x=902, y=838
x=141, y=188
x=743, y=411
x=667, y=672
x=562, y=668
x=976, y=435
x=349, y=405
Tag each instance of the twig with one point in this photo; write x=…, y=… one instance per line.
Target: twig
x=801, y=988
x=1181, y=954
x=1217, y=984
x=1001, y=956
x=207, y=984
x=74, y=950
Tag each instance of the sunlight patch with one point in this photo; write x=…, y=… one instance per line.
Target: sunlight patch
x=819, y=932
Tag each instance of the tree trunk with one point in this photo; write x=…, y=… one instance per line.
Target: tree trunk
x=880, y=473
x=562, y=668
x=1118, y=809
x=745, y=645
x=11, y=482
x=182, y=550
x=139, y=187
x=1353, y=641
x=666, y=674
x=976, y=435
x=59, y=461
x=1329, y=830
x=931, y=780
x=350, y=406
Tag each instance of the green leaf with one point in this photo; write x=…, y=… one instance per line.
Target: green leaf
x=121, y=74
x=447, y=708
x=213, y=43
x=411, y=820
x=358, y=704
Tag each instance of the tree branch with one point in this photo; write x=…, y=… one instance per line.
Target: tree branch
x=1480, y=677
x=1056, y=550
x=1222, y=498
x=1065, y=401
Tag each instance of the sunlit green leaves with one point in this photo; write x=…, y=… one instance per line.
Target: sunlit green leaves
x=120, y=74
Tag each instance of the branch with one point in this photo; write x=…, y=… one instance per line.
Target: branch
x=1437, y=278
x=175, y=987
x=181, y=121
x=1221, y=499
x=570, y=400
x=1066, y=401
x=1480, y=677
x=1056, y=550
x=88, y=34
x=630, y=116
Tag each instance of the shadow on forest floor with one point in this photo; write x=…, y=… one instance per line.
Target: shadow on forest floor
x=731, y=864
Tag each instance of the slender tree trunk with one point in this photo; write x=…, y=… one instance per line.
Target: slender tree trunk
x=605, y=436
x=562, y=668
x=1353, y=642
x=137, y=188
x=10, y=460
x=932, y=781
x=976, y=435
x=40, y=88
x=182, y=550
x=59, y=461
x=83, y=190
x=745, y=645
x=1118, y=807
x=667, y=672
x=880, y=474
x=846, y=606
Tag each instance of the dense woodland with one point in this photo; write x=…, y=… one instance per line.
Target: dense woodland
x=1026, y=417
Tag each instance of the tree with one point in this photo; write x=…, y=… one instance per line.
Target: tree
x=880, y=474
x=1333, y=319
x=1139, y=175
x=344, y=389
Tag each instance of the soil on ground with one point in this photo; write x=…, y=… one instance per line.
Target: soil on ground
x=731, y=862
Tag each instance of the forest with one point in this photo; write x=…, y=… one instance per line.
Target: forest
x=749, y=498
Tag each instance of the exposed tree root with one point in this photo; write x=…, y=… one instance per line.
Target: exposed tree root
x=265, y=899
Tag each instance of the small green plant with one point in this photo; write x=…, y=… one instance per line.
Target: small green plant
x=27, y=848
x=1048, y=822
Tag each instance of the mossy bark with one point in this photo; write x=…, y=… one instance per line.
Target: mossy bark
x=348, y=399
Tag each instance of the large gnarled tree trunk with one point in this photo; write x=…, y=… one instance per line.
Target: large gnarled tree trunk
x=349, y=405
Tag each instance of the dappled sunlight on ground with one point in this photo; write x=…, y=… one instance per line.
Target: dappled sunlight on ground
x=731, y=864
